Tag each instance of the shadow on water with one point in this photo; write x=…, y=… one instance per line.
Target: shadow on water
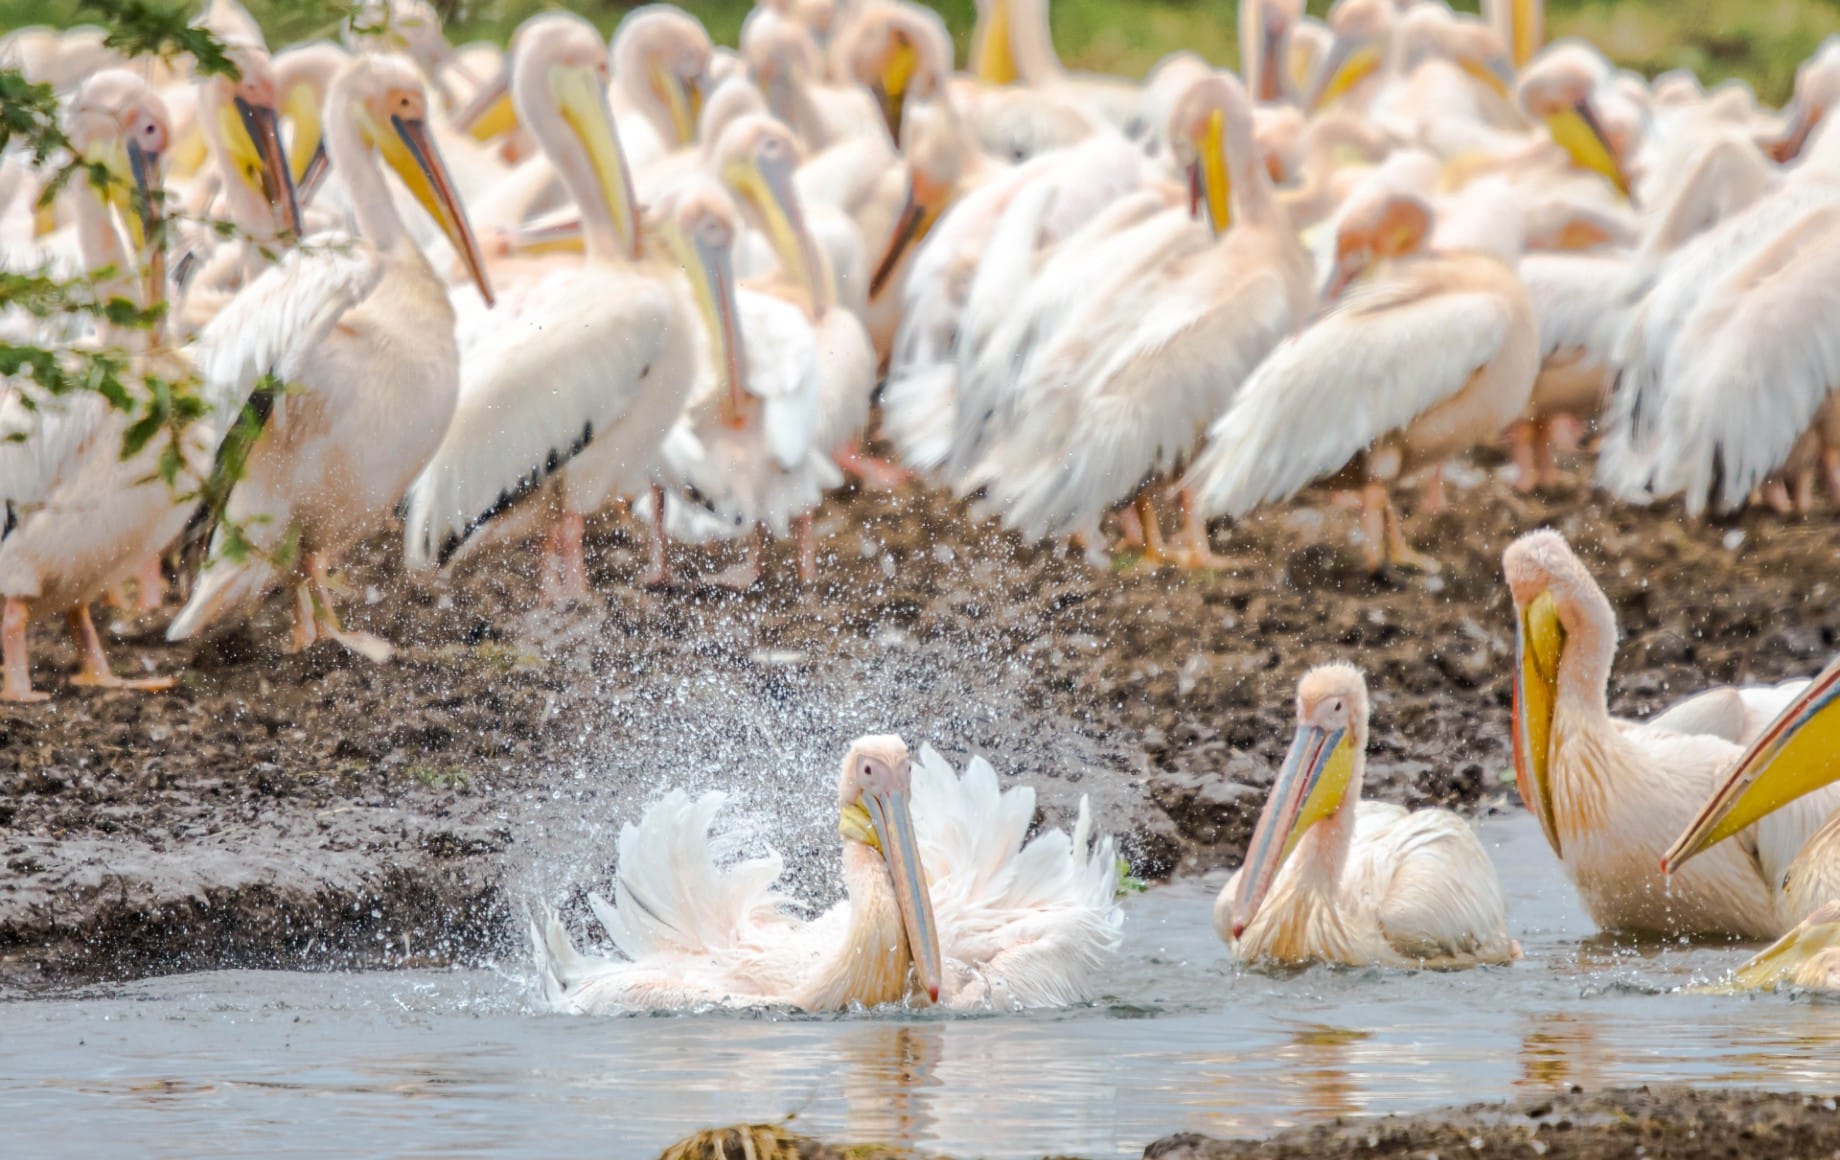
x=460, y=1062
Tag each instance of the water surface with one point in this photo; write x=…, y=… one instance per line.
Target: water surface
x=458, y=1063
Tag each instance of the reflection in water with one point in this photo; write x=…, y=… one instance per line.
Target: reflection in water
x=245, y=1062
x=1559, y=1050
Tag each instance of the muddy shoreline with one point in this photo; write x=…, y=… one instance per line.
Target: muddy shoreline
x=321, y=812
x=1643, y=1123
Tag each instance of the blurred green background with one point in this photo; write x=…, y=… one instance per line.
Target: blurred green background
x=1761, y=41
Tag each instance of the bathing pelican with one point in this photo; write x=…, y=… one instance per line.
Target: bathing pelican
x=1611, y=794
x=1792, y=756
x=1331, y=877
x=945, y=900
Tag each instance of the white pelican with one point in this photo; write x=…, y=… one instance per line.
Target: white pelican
x=361, y=332
x=1172, y=315
x=1329, y=877
x=1610, y=794
x=1424, y=356
x=787, y=65
x=1789, y=757
x=946, y=903
x=75, y=515
x=569, y=388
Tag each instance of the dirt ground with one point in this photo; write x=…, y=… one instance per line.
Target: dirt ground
x=1661, y=1123
x=322, y=811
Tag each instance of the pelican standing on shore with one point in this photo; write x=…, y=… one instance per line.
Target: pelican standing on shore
x=359, y=333
x=946, y=903
x=1332, y=878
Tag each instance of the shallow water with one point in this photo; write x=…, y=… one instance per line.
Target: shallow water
x=454, y=1063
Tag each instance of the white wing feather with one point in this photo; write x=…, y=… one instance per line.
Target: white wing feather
x=1386, y=355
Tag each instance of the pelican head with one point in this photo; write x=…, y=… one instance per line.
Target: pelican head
x=661, y=58
x=1562, y=621
x=698, y=222
x=559, y=74
x=780, y=56
x=1379, y=224
x=934, y=164
x=1211, y=136
x=756, y=156
x=1796, y=754
x=117, y=123
x=303, y=75
x=1361, y=30
x=1265, y=35
x=1321, y=772
x=896, y=51
x=1558, y=90
x=872, y=796
x=1428, y=31
x=1817, y=88
x=405, y=26
x=242, y=120
x=389, y=107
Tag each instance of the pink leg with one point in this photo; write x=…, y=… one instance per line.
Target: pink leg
x=149, y=586
x=746, y=574
x=876, y=474
x=659, y=574
x=808, y=548
x=18, y=681
x=326, y=621
x=1193, y=549
x=1830, y=463
x=1435, y=499
x=1520, y=446
x=93, y=664
x=565, y=570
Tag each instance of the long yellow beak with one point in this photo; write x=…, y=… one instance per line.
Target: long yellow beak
x=1578, y=131
x=145, y=217
x=411, y=152
x=1797, y=754
x=712, y=283
x=1539, y=642
x=582, y=100
x=768, y=184
x=490, y=113
x=890, y=87
x=264, y=163
x=993, y=60
x=683, y=97
x=1348, y=64
x=308, y=161
x=1496, y=73
x=1309, y=788
x=1527, y=19
x=894, y=829
x=918, y=214
x=1209, y=181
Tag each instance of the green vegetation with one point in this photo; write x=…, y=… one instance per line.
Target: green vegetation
x=1760, y=41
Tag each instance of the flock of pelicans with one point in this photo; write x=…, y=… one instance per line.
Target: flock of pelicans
x=1718, y=818
x=671, y=276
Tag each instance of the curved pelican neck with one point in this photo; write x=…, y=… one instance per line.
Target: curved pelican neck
x=101, y=246
x=1031, y=41
x=247, y=210
x=357, y=162
x=871, y=965
x=601, y=234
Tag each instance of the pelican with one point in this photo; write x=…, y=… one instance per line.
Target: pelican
x=1425, y=355
x=1610, y=795
x=361, y=334
x=568, y=390
x=1521, y=24
x=1795, y=754
x=1332, y=878
x=1173, y=316
x=945, y=903
x=77, y=514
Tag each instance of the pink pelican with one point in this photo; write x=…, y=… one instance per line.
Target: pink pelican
x=1332, y=878
x=1610, y=794
x=946, y=903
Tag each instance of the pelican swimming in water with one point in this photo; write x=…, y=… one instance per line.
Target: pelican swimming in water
x=1610, y=794
x=362, y=335
x=945, y=903
x=1332, y=878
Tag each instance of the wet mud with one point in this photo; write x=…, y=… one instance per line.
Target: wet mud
x=322, y=811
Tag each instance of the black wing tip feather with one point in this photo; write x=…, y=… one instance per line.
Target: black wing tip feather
x=509, y=498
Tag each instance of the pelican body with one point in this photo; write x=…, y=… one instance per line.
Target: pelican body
x=1611, y=795
x=1331, y=878
x=945, y=903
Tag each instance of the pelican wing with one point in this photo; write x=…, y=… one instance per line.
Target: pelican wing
x=782, y=372
x=1737, y=714
x=1440, y=899
x=568, y=362
x=1755, y=364
x=1023, y=923
x=1576, y=299
x=1390, y=352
